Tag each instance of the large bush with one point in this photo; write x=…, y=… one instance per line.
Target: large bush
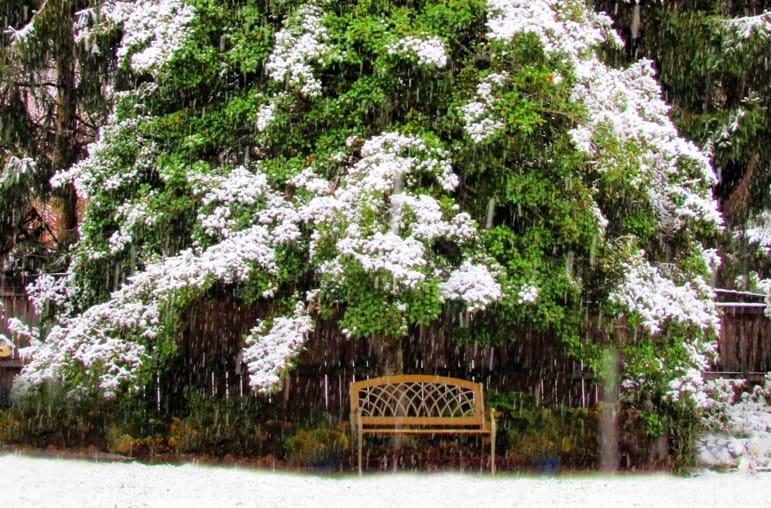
x=395, y=165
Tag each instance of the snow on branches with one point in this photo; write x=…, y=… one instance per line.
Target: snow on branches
x=153, y=30
x=109, y=339
x=477, y=120
x=739, y=29
x=564, y=27
x=625, y=133
x=427, y=51
x=302, y=42
x=92, y=347
x=270, y=346
x=647, y=293
x=625, y=107
x=376, y=218
x=274, y=200
x=758, y=231
x=472, y=284
x=16, y=168
x=102, y=170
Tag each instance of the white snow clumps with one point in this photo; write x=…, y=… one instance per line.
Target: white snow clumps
x=379, y=185
x=270, y=347
x=388, y=205
x=153, y=30
x=758, y=231
x=265, y=115
x=656, y=298
x=477, y=120
x=747, y=26
x=675, y=174
x=527, y=294
x=472, y=284
x=93, y=339
x=428, y=51
x=625, y=104
x=553, y=23
x=625, y=107
x=302, y=42
x=741, y=437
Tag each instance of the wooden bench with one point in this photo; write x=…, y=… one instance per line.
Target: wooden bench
x=420, y=404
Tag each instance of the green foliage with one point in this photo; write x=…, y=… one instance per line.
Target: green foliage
x=217, y=426
x=646, y=417
x=211, y=426
x=716, y=75
x=540, y=203
x=50, y=417
x=203, y=112
x=533, y=434
x=119, y=441
x=316, y=447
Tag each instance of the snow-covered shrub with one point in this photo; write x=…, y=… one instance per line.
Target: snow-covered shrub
x=737, y=435
x=335, y=160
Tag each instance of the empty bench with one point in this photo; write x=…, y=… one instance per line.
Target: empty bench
x=419, y=404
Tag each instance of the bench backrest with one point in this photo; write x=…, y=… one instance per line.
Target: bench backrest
x=417, y=400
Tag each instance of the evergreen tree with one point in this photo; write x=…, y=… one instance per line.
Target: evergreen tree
x=50, y=104
x=712, y=58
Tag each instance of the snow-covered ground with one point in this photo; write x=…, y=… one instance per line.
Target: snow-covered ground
x=44, y=482
x=743, y=440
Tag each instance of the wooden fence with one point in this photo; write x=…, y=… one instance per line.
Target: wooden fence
x=15, y=304
x=745, y=337
x=533, y=363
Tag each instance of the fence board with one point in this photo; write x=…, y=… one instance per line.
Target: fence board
x=744, y=343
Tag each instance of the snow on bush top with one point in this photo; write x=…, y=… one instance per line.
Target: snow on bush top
x=153, y=30
x=301, y=42
x=427, y=51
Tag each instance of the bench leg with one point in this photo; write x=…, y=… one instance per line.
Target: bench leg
x=360, y=440
x=493, y=431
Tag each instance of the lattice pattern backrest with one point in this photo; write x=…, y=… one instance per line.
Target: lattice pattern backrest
x=420, y=397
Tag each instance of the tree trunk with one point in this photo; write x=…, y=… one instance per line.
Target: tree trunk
x=736, y=204
x=65, y=143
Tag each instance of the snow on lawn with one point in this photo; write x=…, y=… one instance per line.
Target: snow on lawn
x=44, y=482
